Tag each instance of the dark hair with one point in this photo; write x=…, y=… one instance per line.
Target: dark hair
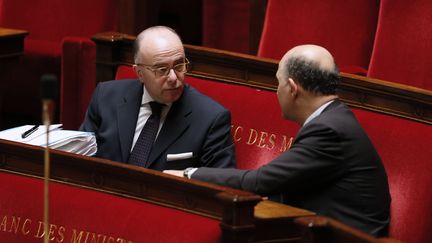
x=136, y=44
x=311, y=77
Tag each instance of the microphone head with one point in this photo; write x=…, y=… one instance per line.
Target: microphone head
x=49, y=87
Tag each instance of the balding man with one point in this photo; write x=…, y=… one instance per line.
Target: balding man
x=332, y=168
x=158, y=122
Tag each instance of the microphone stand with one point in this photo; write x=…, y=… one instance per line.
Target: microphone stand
x=49, y=93
x=47, y=122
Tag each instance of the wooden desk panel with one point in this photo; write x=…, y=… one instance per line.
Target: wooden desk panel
x=11, y=42
x=239, y=220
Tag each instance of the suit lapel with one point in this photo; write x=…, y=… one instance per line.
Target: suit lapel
x=127, y=115
x=174, y=126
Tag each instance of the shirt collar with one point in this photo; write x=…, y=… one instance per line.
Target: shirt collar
x=317, y=112
x=146, y=98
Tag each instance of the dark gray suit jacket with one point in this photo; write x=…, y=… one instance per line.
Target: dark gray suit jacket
x=195, y=123
x=332, y=169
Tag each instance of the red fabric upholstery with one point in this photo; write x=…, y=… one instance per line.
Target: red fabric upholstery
x=402, y=144
x=49, y=22
x=403, y=47
x=226, y=24
x=52, y=20
x=345, y=28
x=259, y=132
x=404, y=147
x=78, y=79
x=21, y=100
x=81, y=215
x=125, y=72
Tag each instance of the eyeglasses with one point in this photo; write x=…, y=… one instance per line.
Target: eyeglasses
x=163, y=71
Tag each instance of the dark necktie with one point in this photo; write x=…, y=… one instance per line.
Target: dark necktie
x=141, y=151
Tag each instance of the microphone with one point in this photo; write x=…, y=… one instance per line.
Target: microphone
x=49, y=92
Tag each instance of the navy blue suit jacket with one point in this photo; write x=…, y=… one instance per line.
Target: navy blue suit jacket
x=195, y=123
x=332, y=168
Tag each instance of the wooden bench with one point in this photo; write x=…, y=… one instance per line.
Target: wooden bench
x=396, y=117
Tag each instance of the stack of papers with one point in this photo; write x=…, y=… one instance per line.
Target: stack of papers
x=77, y=142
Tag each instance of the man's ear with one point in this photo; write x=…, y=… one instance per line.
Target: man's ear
x=137, y=71
x=293, y=87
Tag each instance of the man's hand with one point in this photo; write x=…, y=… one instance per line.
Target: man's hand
x=178, y=173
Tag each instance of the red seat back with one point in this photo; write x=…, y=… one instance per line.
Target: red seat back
x=404, y=147
x=125, y=72
x=259, y=132
x=403, y=51
x=226, y=25
x=53, y=20
x=53, y=47
x=345, y=28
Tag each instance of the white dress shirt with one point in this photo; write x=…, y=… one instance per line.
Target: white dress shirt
x=144, y=114
x=317, y=112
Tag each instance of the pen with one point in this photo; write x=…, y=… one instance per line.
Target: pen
x=29, y=132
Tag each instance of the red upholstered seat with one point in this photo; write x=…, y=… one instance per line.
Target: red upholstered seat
x=125, y=72
x=345, y=28
x=403, y=45
x=49, y=22
x=78, y=79
x=226, y=25
x=404, y=147
x=258, y=130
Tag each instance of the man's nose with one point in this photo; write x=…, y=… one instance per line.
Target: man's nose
x=172, y=75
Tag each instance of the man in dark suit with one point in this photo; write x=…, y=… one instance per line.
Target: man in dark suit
x=332, y=168
x=192, y=129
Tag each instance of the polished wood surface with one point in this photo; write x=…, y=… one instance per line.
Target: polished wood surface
x=381, y=96
x=275, y=222
x=320, y=229
x=11, y=42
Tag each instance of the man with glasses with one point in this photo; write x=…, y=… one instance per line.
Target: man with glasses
x=158, y=121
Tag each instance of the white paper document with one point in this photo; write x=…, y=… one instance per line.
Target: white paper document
x=77, y=142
